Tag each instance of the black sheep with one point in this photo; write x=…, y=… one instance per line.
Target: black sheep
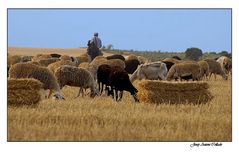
x=119, y=81
x=131, y=65
x=103, y=73
x=116, y=56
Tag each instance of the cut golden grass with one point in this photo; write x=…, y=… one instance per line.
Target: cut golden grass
x=155, y=91
x=103, y=119
x=23, y=91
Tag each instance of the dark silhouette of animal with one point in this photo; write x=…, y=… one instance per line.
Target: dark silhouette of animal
x=116, y=56
x=55, y=55
x=103, y=73
x=92, y=50
x=119, y=81
x=131, y=65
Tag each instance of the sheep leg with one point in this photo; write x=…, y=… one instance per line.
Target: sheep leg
x=214, y=76
x=121, y=95
x=102, y=88
x=116, y=95
x=50, y=92
x=99, y=86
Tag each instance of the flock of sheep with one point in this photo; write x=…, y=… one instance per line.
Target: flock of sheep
x=111, y=72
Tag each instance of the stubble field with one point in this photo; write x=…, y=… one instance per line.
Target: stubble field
x=103, y=119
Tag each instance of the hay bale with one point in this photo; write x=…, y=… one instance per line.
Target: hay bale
x=153, y=91
x=23, y=91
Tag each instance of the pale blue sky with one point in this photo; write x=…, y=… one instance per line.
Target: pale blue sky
x=138, y=29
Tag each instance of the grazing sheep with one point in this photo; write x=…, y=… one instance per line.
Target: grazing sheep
x=215, y=68
x=83, y=58
x=170, y=62
x=93, y=67
x=119, y=81
x=116, y=62
x=103, y=73
x=184, y=69
x=57, y=64
x=100, y=60
x=46, y=62
x=55, y=55
x=131, y=65
x=225, y=63
x=74, y=76
x=43, y=74
x=115, y=56
x=204, y=68
x=150, y=71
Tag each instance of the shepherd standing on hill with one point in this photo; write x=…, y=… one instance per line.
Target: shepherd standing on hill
x=94, y=46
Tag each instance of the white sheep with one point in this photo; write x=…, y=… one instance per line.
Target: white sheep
x=151, y=71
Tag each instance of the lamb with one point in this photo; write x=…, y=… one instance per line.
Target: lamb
x=57, y=64
x=204, y=68
x=74, y=76
x=215, y=68
x=119, y=81
x=43, y=74
x=183, y=69
x=131, y=65
x=115, y=56
x=225, y=63
x=151, y=71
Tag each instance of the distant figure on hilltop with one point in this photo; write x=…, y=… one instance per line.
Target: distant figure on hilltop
x=94, y=46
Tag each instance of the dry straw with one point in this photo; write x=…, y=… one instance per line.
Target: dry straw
x=23, y=91
x=153, y=91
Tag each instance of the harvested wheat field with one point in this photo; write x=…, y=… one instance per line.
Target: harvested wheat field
x=103, y=119
x=35, y=51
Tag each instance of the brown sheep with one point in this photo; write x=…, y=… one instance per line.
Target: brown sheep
x=215, y=68
x=143, y=60
x=43, y=74
x=46, y=62
x=57, y=64
x=131, y=65
x=83, y=58
x=74, y=76
x=204, y=69
x=179, y=70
